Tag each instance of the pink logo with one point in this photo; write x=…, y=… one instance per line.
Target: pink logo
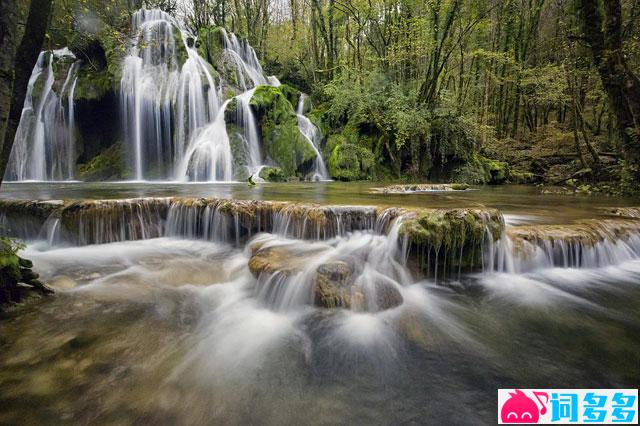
x=519, y=408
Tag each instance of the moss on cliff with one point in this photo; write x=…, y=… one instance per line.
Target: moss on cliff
x=108, y=165
x=210, y=42
x=281, y=138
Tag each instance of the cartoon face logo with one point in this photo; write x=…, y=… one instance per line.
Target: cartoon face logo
x=519, y=408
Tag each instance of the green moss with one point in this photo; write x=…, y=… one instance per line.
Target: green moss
x=480, y=170
x=452, y=238
x=91, y=84
x=238, y=152
x=15, y=270
x=273, y=174
x=281, y=138
x=181, y=51
x=332, y=142
x=350, y=162
x=516, y=176
x=459, y=186
x=291, y=93
x=210, y=43
x=108, y=165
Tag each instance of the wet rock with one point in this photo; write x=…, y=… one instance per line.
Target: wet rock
x=422, y=187
x=585, y=233
x=387, y=295
x=275, y=259
x=334, y=285
x=451, y=240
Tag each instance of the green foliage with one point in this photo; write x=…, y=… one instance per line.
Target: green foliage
x=210, y=42
x=480, y=170
x=350, y=162
x=389, y=120
x=15, y=270
x=273, y=174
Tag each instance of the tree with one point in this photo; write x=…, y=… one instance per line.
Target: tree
x=619, y=81
x=25, y=59
x=8, y=26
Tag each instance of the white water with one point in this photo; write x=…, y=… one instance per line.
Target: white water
x=313, y=137
x=44, y=146
x=174, y=115
x=503, y=257
x=152, y=83
x=247, y=120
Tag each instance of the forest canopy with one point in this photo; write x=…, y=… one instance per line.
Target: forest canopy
x=479, y=92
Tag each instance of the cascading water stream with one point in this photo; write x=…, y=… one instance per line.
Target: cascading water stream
x=173, y=115
x=312, y=136
x=44, y=146
x=152, y=83
x=208, y=156
x=247, y=120
x=246, y=61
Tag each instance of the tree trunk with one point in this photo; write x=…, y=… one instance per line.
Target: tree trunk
x=8, y=28
x=621, y=85
x=25, y=59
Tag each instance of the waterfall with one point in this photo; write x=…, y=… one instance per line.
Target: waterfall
x=208, y=157
x=246, y=61
x=173, y=113
x=151, y=83
x=592, y=244
x=312, y=136
x=174, y=117
x=44, y=145
x=247, y=120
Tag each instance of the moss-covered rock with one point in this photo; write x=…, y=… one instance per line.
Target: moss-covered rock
x=451, y=240
x=239, y=151
x=517, y=176
x=210, y=43
x=291, y=93
x=14, y=271
x=282, y=141
x=108, y=165
x=350, y=162
x=273, y=174
x=480, y=170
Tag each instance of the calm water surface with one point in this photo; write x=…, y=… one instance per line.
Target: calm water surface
x=521, y=200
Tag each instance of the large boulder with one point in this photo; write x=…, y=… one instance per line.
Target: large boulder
x=282, y=141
